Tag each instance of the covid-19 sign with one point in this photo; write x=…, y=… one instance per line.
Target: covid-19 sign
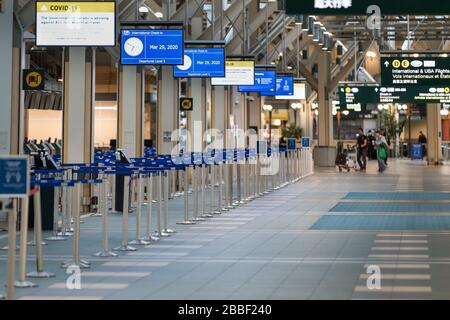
x=72, y=24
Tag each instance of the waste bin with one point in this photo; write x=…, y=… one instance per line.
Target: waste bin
x=416, y=152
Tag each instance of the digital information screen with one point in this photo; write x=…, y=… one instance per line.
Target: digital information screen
x=299, y=93
x=264, y=81
x=74, y=24
x=285, y=87
x=237, y=73
x=201, y=62
x=157, y=47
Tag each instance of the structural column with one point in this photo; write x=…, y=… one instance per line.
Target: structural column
x=130, y=135
x=325, y=153
x=434, y=134
x=10, y=44
x=79, y=102
x=197, y=118
x=168, y=116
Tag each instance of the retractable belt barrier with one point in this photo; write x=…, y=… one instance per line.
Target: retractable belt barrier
x=244, y=173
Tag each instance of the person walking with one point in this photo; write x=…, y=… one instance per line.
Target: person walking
x=371, y=152
x=382, y=150
x=423, y=142
x=362, y=145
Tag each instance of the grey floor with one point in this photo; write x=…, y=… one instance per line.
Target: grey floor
x=266, y=249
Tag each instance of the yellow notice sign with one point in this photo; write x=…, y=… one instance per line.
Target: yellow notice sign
x=239, y=64
x=75, y=6
x=76, y=23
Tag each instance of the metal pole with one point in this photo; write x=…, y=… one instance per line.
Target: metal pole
x=220, y=207
x=21, y=282
x=186, y=199
x=166, y=204
x=126, y=198
x=139, y=240
x=12, y=222
x=203, y=171
x=103, y=209
x=195, y=185
x=148, y=228
x=39, y=273
x=160, y=232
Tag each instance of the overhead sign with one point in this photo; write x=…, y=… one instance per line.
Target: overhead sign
x=360, y=7
x=76, y=23
x=155, y=47
x=349, y=95
x=201, y=62
x=237, y=73
x=186, y=104
x=415, y=71
x=285, y=87
x=414, y=94
x=265, y=80
x=352, y=96
x=299, y=93
x=14, y=176
x=33, y=79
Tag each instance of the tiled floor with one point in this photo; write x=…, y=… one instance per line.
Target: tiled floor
x=268, y=250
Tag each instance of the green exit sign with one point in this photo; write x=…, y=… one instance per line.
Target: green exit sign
x=360, y=7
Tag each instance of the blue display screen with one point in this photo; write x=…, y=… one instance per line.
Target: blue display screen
x=157, y=47
x=201, y=62
x=265, y=81
x=285, y=87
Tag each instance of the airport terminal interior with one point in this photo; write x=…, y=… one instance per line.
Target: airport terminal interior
x=224, y=150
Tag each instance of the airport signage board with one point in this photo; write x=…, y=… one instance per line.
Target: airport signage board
x=306, y=142
x=349, y=95
x=414, y=94
x=265, y=80
x=237, y=73
x=352, y=96
x=201, y=63
x=33, y=79
x=75, y=23
x=291, y=144
x=186, y=104
x=14, y=176
x=415, y=71
x=299, y=93
x=285, y=87
x=361, y=7
x=152, y=47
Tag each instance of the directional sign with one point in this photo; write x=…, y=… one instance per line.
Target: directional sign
x=14, y=176
x=201, y=62
x=352, y=96
x=358, y=94
x=415, y=71
x=360, y=7
x=186, y=104
x=152, y=47
x=414, y=94
x=33, y=79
